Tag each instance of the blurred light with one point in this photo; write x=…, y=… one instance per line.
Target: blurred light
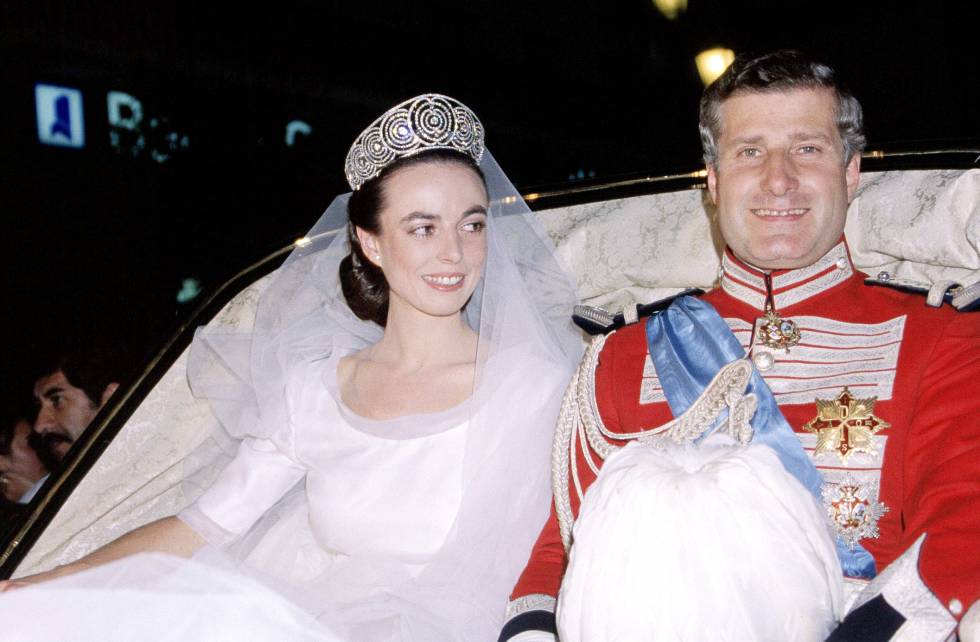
x=713, y=63
x=302, y=241
x=189, y=289
x=125, y=111
x=671, y=8
x=297, y=128
x=581, y=174
x=59, y=116
x=135, y=133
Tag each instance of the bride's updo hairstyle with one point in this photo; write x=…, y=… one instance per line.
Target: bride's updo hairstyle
x=430, y=128
x=363, y=283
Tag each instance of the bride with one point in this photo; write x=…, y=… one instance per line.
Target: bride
x=395, y=400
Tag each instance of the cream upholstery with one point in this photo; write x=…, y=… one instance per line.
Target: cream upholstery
x=922, y=226
x=918, y=225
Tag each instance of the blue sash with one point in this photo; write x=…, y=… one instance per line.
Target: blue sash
x=689, y=343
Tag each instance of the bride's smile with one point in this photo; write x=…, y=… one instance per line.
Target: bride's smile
x=432, y=242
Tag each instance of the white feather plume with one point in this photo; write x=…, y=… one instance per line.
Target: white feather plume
x=699, y=542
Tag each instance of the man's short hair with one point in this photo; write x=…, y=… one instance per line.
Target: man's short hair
x=782, y=70
x=90, y=367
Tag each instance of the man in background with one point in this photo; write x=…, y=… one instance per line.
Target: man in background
x=21, y=470
x=69, y=393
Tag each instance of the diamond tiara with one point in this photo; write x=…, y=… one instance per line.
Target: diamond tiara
x=429, y=121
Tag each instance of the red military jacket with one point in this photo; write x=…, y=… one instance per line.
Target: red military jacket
x=917, y=458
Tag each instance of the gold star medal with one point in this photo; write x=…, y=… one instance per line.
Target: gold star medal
x=845, y=425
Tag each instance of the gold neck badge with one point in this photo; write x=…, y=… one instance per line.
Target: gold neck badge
x=776, y=332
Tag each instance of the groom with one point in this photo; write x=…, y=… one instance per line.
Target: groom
x=882, y=390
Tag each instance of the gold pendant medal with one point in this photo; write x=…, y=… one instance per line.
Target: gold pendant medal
x=777, y=332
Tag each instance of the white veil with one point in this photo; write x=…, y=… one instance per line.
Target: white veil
x=526, y=353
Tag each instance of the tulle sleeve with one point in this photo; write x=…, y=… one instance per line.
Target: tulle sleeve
x=258, y=476
x=262, y=471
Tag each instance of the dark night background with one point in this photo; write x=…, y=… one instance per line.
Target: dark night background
x=101, y=238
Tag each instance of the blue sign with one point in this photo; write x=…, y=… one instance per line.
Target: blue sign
x=59, y=116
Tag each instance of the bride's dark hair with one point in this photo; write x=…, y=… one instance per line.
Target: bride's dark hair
x=363, y=283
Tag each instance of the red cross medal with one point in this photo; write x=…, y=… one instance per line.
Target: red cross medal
x=845, y=425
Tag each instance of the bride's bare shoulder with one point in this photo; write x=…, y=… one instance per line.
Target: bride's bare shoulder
x=349, y=364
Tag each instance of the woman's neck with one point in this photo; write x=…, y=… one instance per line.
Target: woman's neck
x=415, y=340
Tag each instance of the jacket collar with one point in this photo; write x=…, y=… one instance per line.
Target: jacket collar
x=789, y=287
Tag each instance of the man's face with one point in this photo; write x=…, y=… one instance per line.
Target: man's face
x=64, y=411
x=781, y=185
x=22, y=459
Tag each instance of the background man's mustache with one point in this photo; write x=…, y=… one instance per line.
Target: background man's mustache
x=45, y=445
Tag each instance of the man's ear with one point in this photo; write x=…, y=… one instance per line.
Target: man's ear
x=852, y=175
x=713, y=184
x=369, y=243
x=111, y=388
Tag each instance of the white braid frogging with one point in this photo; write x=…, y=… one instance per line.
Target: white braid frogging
x=580, y=416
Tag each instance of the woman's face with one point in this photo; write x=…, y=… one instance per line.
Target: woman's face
x=432, y=244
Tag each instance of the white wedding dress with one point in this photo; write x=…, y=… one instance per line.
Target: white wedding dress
x=318, y=532
x=386, y=489
x=330, y=526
